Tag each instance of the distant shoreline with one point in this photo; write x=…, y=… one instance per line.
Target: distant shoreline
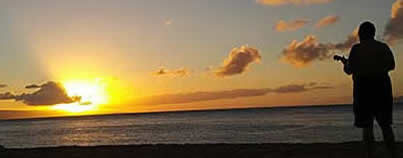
x=180, y=111
x=316, y=150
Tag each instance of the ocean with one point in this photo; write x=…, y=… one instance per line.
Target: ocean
x=265, y=125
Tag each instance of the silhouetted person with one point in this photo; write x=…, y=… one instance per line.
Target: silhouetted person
x=369, y=64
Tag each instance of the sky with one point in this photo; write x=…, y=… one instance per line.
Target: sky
x=78, y=57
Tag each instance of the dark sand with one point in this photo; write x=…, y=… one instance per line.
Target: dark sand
x=325, y=150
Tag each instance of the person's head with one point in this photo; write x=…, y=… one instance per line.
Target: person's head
x=366, y=31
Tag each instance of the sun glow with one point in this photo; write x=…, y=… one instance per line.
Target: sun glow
x=75, y=108
x=92, y=92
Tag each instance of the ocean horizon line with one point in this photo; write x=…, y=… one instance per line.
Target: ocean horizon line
x=178, y=111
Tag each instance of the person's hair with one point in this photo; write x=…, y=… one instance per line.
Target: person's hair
x=367, y=30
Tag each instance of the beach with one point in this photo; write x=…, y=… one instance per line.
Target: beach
x=317, y=150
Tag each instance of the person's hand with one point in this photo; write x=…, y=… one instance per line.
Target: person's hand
x=342, y=59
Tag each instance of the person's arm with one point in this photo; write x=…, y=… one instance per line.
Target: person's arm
x=389, y=59
x=348, y=65
x=347, y=69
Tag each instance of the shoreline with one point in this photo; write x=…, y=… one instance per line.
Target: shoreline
x=272, y=150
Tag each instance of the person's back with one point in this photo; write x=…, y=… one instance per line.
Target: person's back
x=370, y=63
x=371, y=59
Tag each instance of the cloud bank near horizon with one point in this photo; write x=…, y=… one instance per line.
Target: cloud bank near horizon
x=181, y=98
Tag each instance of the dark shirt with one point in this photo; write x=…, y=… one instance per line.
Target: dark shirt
x=370, y=59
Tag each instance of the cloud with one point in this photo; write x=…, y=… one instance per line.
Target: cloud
x=326, y=21
x=283, y=26
x=6, y=96
x=181, y=98
x=50, y=93
x=238, y=61
x=32, y=86
x=168, y=21
x=303, y=53
x=295, y=88
x=293, y=2
x=394, y=29
x=3, y=85
x=349, y=42
x=181, y=72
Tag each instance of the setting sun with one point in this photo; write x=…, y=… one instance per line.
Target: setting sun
x=74, y=108
x=92, y=93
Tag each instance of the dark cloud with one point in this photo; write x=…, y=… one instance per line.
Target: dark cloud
x=227, y=94
x=50, y=93
x=181, y=72
x=313, y=84
x=394, y=28
x=32, y=86
x=3, y=85
x=199, y=96
x=238, y=61
x=161, y=71
x=295, y=88
x=303, y=53
x=6, y=96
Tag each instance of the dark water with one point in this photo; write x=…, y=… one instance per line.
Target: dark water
x=285, y=125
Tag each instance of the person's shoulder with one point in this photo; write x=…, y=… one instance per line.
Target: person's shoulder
x=357, y=45
x=380, y=43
